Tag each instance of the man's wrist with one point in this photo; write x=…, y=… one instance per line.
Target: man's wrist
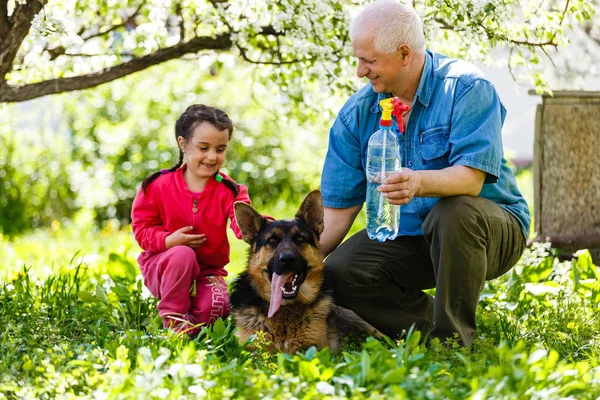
x=419, y=184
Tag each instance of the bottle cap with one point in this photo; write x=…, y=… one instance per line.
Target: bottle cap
x=392, y=106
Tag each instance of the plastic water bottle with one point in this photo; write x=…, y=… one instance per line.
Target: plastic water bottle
x=383, y=159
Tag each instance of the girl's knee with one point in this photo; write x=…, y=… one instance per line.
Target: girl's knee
x=179, y=265
x=182, y=257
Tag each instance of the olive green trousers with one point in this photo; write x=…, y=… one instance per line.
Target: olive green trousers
x=467, y=240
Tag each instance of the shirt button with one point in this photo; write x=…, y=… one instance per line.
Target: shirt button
x=410, y=164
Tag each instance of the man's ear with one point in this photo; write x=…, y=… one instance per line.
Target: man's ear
x=406, y=54
x=248, y=220
x=311, y=211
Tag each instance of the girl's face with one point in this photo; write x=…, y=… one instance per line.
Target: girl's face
x=205, y=150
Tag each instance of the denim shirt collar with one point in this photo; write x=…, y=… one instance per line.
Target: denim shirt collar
x=424, y=90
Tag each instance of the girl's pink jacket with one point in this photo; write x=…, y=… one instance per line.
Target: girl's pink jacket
x=168, y=205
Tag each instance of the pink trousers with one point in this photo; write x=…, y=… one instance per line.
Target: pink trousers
x=176, y=279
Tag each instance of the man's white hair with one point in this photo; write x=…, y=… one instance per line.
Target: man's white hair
x=391, y=24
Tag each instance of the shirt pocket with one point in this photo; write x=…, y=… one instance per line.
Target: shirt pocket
x=435, y=144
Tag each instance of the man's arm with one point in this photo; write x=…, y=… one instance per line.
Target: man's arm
x=451, y=181
x=403, y=186
x=337, y=223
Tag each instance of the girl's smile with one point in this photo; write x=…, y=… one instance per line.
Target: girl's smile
x=205, y=153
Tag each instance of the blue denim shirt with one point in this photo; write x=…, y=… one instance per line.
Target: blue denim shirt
x=456, y=119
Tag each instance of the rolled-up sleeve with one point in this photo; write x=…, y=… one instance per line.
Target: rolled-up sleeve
x=476, y=133
x=343, y=181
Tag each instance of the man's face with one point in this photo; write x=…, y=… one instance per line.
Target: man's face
x=383, y=70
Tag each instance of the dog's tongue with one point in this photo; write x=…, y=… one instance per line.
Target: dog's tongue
x=277, y=282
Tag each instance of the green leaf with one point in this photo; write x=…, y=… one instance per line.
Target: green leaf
x=27, y=365
x=415, y=357
x=310, y=353
x=308, y=370
x=101, y=294
x=365, y=365
x=537, y=356
x=219, y=327
x=395, y=375
x=327, y=374
x=574, y=388
x=86, y=296
x=412, y=339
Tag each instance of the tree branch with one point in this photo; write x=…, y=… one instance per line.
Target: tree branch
x=445, y=25
x=269, y=30
x=4, y=25
x=215, y=2
x=60, y=50
x=20, y=23
x=52, y=86
x=179, y=13
x=258, y=62
x=562, y=18
x=117, y=26
x=265, y=30
x=549, y=58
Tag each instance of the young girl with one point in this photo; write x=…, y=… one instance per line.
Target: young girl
x=179, y=218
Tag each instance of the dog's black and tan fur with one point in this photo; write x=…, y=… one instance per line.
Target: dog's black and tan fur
x=284, y=292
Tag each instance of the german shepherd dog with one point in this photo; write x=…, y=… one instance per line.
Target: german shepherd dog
x=284, y=291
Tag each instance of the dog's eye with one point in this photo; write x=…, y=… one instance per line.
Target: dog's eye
x=299, y=239
x=273, y=240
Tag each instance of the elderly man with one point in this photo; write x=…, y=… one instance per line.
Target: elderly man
x=463, y=220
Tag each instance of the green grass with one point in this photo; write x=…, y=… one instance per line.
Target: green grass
x=76, y=322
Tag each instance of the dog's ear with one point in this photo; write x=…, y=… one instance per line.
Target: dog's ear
x=311, y=211
x=249, y=221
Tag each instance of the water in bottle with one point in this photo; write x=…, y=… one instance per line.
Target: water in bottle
x=383, y=159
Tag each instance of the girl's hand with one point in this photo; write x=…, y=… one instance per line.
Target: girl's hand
x=181, y=238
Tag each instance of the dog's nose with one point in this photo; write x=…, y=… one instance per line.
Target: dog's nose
x=287, y=258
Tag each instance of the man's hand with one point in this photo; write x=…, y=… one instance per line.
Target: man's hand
x=181, y=238
x=400, y=187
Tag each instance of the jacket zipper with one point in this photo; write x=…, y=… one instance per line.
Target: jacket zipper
x=195, y=211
